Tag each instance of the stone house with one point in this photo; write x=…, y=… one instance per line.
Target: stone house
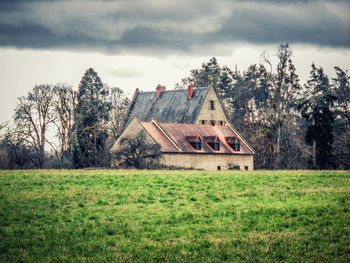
x=191, y=128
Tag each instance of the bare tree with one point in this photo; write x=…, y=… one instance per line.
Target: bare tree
x=64, y=101
x=33, y=114
x=118, y=113
x=137, y=151
x=283, y=90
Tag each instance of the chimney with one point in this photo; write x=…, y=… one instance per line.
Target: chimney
x=159, y=90
x=190, y=92
x=137, y=91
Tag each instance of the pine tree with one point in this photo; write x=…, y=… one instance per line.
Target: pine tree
x=89, y=135
x=316, y=108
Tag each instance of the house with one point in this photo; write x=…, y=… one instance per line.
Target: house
x=190, y=127
x=197, y=146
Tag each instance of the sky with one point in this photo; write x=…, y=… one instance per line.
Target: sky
x=143, y=43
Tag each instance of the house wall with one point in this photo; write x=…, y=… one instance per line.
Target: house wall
x=132, y=130
x=207, y=114
x=207, y=161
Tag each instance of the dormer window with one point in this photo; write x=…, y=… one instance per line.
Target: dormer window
x=234, y=143
x=213, y=142
x=195, y=142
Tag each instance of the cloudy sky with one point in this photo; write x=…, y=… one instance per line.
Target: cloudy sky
x=142, y=43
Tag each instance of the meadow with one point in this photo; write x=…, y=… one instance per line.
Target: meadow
x=174, y=216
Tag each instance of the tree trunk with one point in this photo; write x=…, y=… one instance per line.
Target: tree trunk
x=313, y=149
x=278, y=146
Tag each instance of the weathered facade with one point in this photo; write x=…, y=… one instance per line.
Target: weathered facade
x=191, y=128
x=197, y=146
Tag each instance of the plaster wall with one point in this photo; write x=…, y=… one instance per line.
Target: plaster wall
x=207, y=161
x=207, y=114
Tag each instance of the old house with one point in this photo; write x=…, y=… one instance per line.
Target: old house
x=191, y=128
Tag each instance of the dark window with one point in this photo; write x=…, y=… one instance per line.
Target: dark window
x=235, y=146
x=221, y=123
x=212, y=105
x=246, y=168
x=195, y=142
x=203, y=122
x=219, y=168
x=215, y=145
x=212, y=122
x=196, y=145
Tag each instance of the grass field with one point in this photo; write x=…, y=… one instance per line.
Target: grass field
x=168, y=216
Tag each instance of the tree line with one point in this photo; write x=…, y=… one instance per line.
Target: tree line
x=289, y=124
x=86, y=125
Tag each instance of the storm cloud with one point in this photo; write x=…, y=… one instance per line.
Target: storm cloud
x=183, y=25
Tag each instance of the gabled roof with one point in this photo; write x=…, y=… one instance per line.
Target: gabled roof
x=172, y=106
x=176, y=137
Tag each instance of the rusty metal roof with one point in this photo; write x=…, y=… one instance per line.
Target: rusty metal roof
x=176, y=137
x=173, y=106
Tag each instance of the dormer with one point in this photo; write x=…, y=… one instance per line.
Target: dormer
x=213, y=142
x=195, y=141
x=234, y=143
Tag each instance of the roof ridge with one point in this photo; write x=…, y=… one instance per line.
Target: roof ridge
x=171, y=90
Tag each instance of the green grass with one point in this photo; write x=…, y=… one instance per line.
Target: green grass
x=170, y=216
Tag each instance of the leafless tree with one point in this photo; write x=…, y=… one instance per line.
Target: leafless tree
x=284, y=91
x=63, y=103
x=137, y=151
x=33, y=114
x=118, y=113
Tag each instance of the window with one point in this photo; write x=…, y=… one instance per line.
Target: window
x=213, y=142
x=234, y=143
x=246, y=168
x=212, y=105
x=216, y=146
x=203, y=122
x=195, y=142
x=219, y=168
x=196, y=145
x=212, y=122
x=221, y=123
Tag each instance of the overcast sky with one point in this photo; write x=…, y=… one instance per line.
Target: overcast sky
x=139, y=44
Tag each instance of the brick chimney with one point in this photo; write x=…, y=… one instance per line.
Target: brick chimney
x=159, y=90
x=190, y=92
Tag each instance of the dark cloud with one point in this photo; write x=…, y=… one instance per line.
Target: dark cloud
x=184, y=25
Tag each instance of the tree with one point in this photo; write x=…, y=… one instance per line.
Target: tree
x=90, y=114
x=316, y=108
x=63, y=108
x=209, y=75
x=20, y=153
x=137, y=151
x=341, y=85
x=33, y=114
x=118, y=113
x=282, y=89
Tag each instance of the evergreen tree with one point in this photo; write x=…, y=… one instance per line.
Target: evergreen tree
x=89, y=132
x=316, y=108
